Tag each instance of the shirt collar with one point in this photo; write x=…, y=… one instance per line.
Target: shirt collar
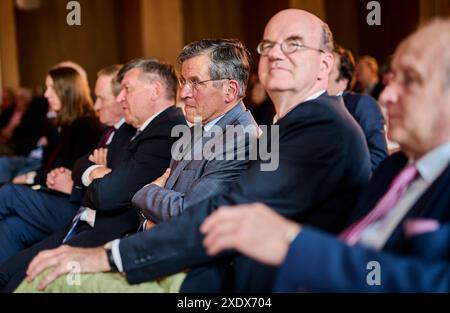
x=311, y=97
x=315, y=95
x=148, y=121
x=119, y=124
x=210, y=124
x=432, y=164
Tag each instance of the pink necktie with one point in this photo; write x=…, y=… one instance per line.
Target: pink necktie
x=397, y=188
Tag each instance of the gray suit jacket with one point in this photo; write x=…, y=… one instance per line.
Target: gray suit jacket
x=199, y=176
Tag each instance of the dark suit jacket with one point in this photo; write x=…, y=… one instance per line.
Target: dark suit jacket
x=420, y=263
x=33, y=125
x=145, y=159
x=368, y=114
x=323, y=161
x=115, y=156
x=77, y=139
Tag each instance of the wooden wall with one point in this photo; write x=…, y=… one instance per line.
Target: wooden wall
x=44, y=38
x=9, y=68
x=114, y=31
x=398, y=19
x=212, y=19
x=162, y=29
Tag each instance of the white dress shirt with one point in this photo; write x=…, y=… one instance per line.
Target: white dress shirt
x=89, y=215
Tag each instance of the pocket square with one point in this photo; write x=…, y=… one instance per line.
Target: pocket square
x=419, y=226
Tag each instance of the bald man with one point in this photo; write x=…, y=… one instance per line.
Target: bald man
x=323, y=161
x=398, y=239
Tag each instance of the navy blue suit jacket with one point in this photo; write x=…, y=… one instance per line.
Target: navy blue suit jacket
x=144, y=160
x=368, y=114
x=319, y=262
x=323, y=161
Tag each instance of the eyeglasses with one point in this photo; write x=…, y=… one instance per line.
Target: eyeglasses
x=288, y=46
x=192, y=84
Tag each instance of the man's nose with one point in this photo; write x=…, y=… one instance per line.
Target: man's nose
x=389, y=95
x=275, y=52
x=121, y=96
x=97, y=104
x=185, y=91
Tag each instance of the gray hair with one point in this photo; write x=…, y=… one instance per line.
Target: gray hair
x=150, y=67
x=112, y=70
x=326, y=43
x=229, y=59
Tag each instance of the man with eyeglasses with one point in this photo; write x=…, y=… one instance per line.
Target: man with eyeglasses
x=323, y=161
x=214, y=105
x=398, y=236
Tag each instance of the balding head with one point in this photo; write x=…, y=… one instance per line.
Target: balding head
x=430, y=46
x=418, y=96
x=319, y=33
x=292, y=76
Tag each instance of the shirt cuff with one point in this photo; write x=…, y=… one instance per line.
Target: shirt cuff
x=88, y=216
x=116, y=254
x=30, y=176
x=85, y=177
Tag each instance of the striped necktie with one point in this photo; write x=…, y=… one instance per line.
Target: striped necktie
x=138, y=132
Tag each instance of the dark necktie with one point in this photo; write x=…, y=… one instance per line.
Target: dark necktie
x=138, y=132
x=106, y=136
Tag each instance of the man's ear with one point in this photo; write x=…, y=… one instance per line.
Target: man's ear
x=344, y=83
x=232, y=91
x=156, y=91
x=326, y=65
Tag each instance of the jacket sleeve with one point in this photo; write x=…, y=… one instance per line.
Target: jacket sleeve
x=216, y=174
x=369, y=116
x=114, y=191
x=297, y=184
x=317, y=262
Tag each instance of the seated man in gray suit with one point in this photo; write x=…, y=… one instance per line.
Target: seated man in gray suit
x=195, y=173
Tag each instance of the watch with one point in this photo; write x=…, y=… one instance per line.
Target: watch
x=110, y=257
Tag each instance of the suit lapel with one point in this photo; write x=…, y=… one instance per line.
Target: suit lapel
x=432, y=204
x=377, y=187
x=160, y=119
x=121, y=138
x=229, y=118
